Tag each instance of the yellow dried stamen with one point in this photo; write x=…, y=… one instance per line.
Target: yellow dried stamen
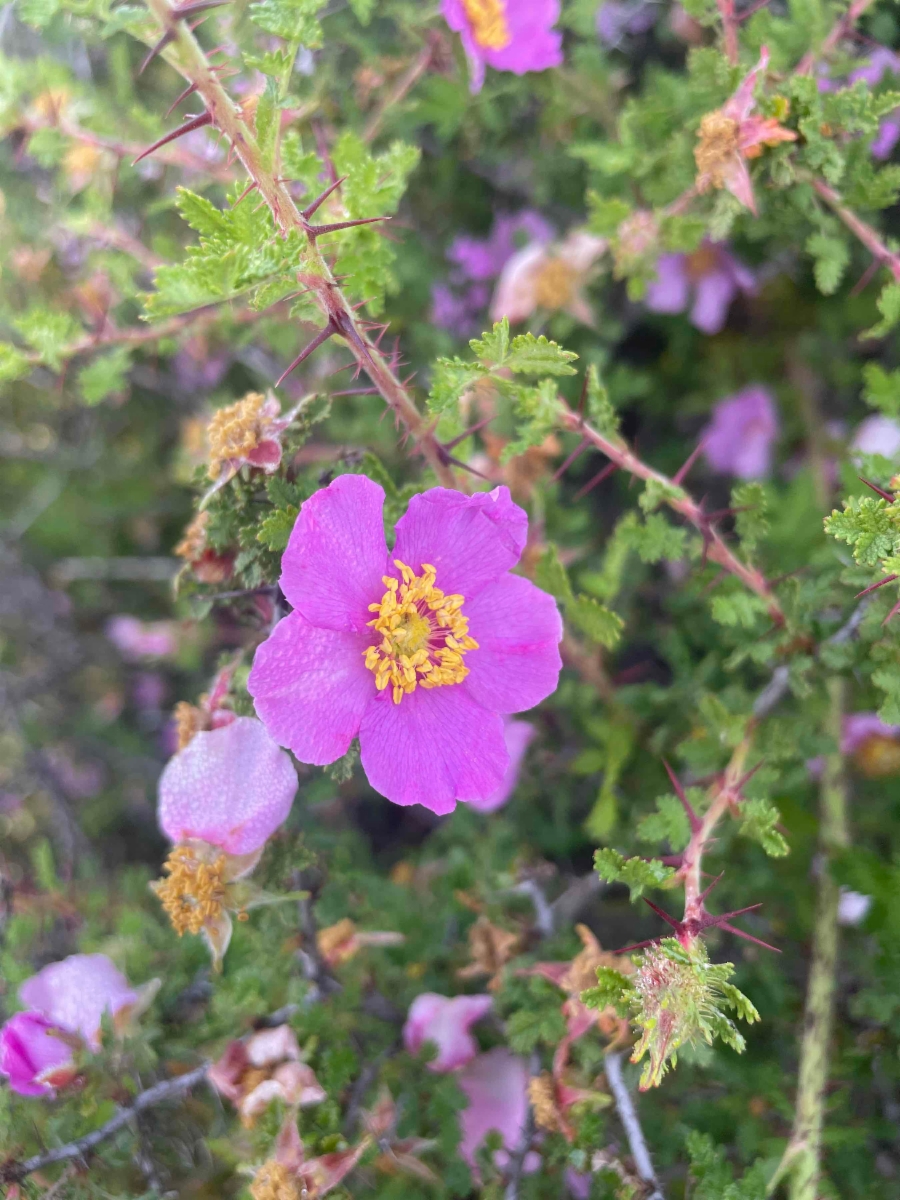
x=189, y=720
x=274, y=1182
x=194, y=892
x=235, y=431
x=717, y=149
x=81, y=159
x=542, y=1094
x=423, y=634
x=554, y=284
x=193, y=543
x=488, y=21
x=333, y=936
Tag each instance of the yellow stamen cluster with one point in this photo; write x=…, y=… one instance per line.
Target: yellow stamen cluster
x=234, y=431
x=193, y=543
x=424, y=634
x=717, y=148
x=194, y=892
x=189, y=720
x=488, y=21
x=554, y=284
x=542, y=1094
x=274, y=1182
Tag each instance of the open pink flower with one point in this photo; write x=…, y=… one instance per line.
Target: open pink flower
x=446, y=1022
x=220, y=799
x=33, y=1057
x=739, y=439
x=518, y=736
x=496, y=1086
x=508, y=35
x=73, y=995
x=706, y=281
x=455, y=641
x=732, y=134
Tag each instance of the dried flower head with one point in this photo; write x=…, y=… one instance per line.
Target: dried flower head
x=274, y=1181
x=194, y=892
x=490, y=948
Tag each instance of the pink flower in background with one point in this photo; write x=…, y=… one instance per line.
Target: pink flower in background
x=518, y=736
x=731, y=134
x=853, y=907
x=739, y=439
x=496, y=1087
x=877, y=434
x=706, y=281
x=873, y=745
x=135, y=639
x=548, y=277
x=459, y=312
x=231, y=787
x=859, y=727
x=617, y=18
x=74, y=994
x=446, y=1022
x=882, y=61
x=34, y=1059
x=456, y=641
x=268, y=1066
x=508, y=35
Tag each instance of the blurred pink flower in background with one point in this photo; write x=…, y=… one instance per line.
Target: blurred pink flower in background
x=617, y=18
x=881, y=62
x=518, y=736
x=266, y=1067
x=877, y=434
x=35, y=1060
x=853, y=907
x=549, y=277
x=508, y=35
x=496, y=1087
x=74, y=994
x=739, y=439
x=136, y=639
x=707, y=281
x=446, y=1022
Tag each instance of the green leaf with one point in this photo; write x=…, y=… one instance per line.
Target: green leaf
x=869, y=525
x=609, y=992
x=594, y=620
x=882, y=389
x=637, y=874
x=37, y=13
x=831, y=255
x=492, y=348
x=551, y=576
x=530, y=355
x=13, y=363
x=49, y=333
x=669, y=823
x=599, y=407
x=606, y=213
x=450, y=380
x=889, y=307
x=104, y=376
x=363, y=10
x=293, y=20
x=759, y=819
x=751, y=520
x=275, y=529
x=737, y=608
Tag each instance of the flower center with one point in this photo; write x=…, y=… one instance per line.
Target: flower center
x=553, y=284
x=700, y=263
x=234, y=431
x=423, y=634
x=488, y=21
x=878, y=756
x=718, y=146
x=274, y=1182
x=194, y=892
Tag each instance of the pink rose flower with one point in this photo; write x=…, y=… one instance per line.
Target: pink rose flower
x=455, y=643
x=738, y=441
x=135, y=639
x=496, y=1087
x=73, y=995
x=34, y=1059
x=706, y=281
x=518, y=736
x=446, y=1022
x=508, y=35
x=230, y=787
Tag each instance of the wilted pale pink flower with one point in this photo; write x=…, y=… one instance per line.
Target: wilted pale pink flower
x=496, y=1087
x=268, y=1066
x=34, y=1058
x=548, y=277
x=340, y=942
x=291, y=1174
x=730, y=135
x=508, y=35
x=455, y=640
x=853, y=907
x=446, y=1022
x=246, y=434
x=518, y=736
x=220, y=800
x=135, y=639
x=706, y=281
x=76, y=993
x=739, y=439
x=877, y=434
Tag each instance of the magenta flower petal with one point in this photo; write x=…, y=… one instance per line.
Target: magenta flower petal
x=518, y=629
x=518, y=736
x=469, y=540
x=29, y=1051
x=713, y=295
x=534, y=45
x=859, y=727
x=75, y=993
x=436, y=747
x=310, y=686
x=332, y=568
x=739, y=439
x=446, y=1022
x=668, y=293
x=231, y=787
x=496, y=1086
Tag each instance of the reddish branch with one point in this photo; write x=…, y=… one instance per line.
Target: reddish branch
x=869, y=237
x=729, y=29
x=839, y=31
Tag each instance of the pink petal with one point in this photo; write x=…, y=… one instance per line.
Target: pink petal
x=435, y=747
x=332, y=568
x=75, y=993
x=446, y=1022
x=311, y=686
x=737, y=181
x=518, y=736
x=231, y=787
x=534, y=45
x=669, y=291
x=713, y=296
x=518, y=629
x=469, y=540
x=269, y=1046
x=225, y=1074
x=859, y=727
x=515, y=296
x=741, y=103
x=496, y=1086
x=28, y=1051
x=266, y=455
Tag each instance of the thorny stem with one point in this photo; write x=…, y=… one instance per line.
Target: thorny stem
x=838, y=32
x=729, y=29
x=727, y=795
x=191, y=62
x=802, y=1158
x=677, y=499
x=869, y=237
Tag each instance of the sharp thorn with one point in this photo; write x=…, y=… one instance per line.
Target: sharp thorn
x=317, y=341
x=738, y=912
x=195, y=6
x=638, y=945
x=892, y=613
x=874, y=587
x=467, y=433
x=246, y=192
x=191, y=87
x=579, y=449
x=450, y=460
x=155, y=49
x=307, y=212
x=319, y=230
x=748, y=776
x=356, y=392
x=188, y=127
x=709, y=888
x=748, y=937
x=661, y=912
x=889, y=496
x=692, y=817
x=608, y=470
x=686, y=466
